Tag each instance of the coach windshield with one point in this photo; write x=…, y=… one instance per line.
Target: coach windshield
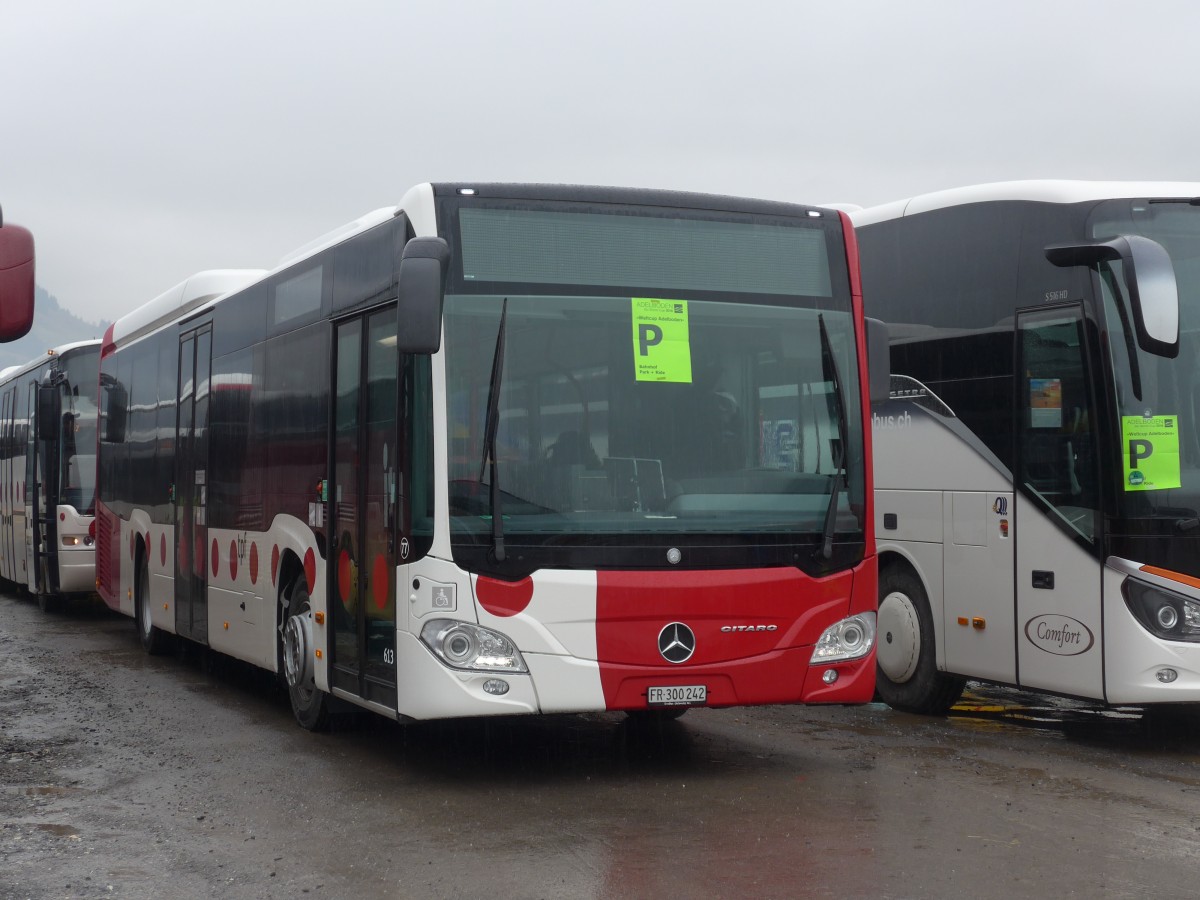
x=1158, y=398
x=657, y=381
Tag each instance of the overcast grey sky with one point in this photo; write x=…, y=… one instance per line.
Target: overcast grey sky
x=143, y=140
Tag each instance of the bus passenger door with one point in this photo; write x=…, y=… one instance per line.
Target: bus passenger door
x=7, y=568
x=1057, y=514
x=362, y=506
x=191, y=485
x=31, y=493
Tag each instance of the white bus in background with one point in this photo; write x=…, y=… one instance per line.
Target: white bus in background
x=48, y=473
x=1037, y=468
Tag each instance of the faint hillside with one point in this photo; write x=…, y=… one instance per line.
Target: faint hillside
x=52, y=326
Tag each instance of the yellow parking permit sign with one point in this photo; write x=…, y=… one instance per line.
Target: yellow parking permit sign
x=1150, y=447
x=662, y=349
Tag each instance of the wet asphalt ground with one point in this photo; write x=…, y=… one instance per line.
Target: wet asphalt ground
x=123, y=775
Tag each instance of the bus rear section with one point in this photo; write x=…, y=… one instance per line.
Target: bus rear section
x=513, y=449
x=48, y=473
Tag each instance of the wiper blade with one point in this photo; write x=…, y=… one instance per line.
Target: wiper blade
x=491, y=426
x=829, y=363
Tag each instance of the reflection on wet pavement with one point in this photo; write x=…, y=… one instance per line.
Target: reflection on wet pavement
x=1173, y=729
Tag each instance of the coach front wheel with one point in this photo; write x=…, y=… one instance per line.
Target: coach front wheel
x=309, y=703
x=906, y=676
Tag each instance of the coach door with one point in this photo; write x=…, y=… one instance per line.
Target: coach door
x=362, y=504
x=1057, y=516
x=191, y=485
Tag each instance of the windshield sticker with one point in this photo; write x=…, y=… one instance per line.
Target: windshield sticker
x=662, y=349
x=1151, y=452
x=1045, y=402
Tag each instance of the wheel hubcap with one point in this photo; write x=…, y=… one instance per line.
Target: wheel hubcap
x=297, y=657
x=899, y=647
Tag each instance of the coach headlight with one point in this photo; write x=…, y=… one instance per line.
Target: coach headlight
x=462, y=645
x=850, y=638
x=1163, y=613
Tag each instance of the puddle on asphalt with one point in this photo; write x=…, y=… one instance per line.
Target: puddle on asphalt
x=50, y=791
x=66, y=831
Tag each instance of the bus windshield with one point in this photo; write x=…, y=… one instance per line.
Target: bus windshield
x=684, y=393
x=1158, y=399
x=77, y=461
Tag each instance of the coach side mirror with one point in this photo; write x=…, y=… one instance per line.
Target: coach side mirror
x=1149, y=281
x=16, y=281
x=421, y=288
x=879, y=361
x=48, y=411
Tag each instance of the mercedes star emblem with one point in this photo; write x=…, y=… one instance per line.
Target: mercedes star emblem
x=676, y=643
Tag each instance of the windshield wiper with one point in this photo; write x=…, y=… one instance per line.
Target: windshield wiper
x=491, y=426
x=829, y=364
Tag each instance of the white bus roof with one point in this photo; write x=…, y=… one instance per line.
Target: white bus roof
x=185, y=296
x=208, y=286
x=1035, y=191
x=14, y=371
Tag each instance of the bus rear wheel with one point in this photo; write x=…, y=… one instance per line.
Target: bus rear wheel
x=152, y=638
x=310, y=704
x=907, y=677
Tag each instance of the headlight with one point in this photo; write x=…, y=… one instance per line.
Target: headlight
x=1163, y=613
x=850, y=638
x=462, y=645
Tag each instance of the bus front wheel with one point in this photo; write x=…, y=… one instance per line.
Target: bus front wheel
x=310, y=704
x=907, y=677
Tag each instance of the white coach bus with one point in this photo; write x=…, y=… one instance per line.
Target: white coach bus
x=1038, y=464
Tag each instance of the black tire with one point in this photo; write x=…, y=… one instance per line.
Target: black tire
x=311, y=705
x=152, y=638
x=50, y=603
x=907, y=677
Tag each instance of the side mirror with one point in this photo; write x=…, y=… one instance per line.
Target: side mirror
x=114, y=411
x=421, y=288
x=1149, y=281
x=48, y=411
x=16, y=281
x=879, y=361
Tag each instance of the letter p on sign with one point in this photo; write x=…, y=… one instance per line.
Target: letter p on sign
x=1139, y=449
x=648, y=336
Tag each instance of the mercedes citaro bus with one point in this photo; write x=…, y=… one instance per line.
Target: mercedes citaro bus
x=508, y=449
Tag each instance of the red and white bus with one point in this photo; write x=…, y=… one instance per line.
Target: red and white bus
x=48, y=473
x=508, y=449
